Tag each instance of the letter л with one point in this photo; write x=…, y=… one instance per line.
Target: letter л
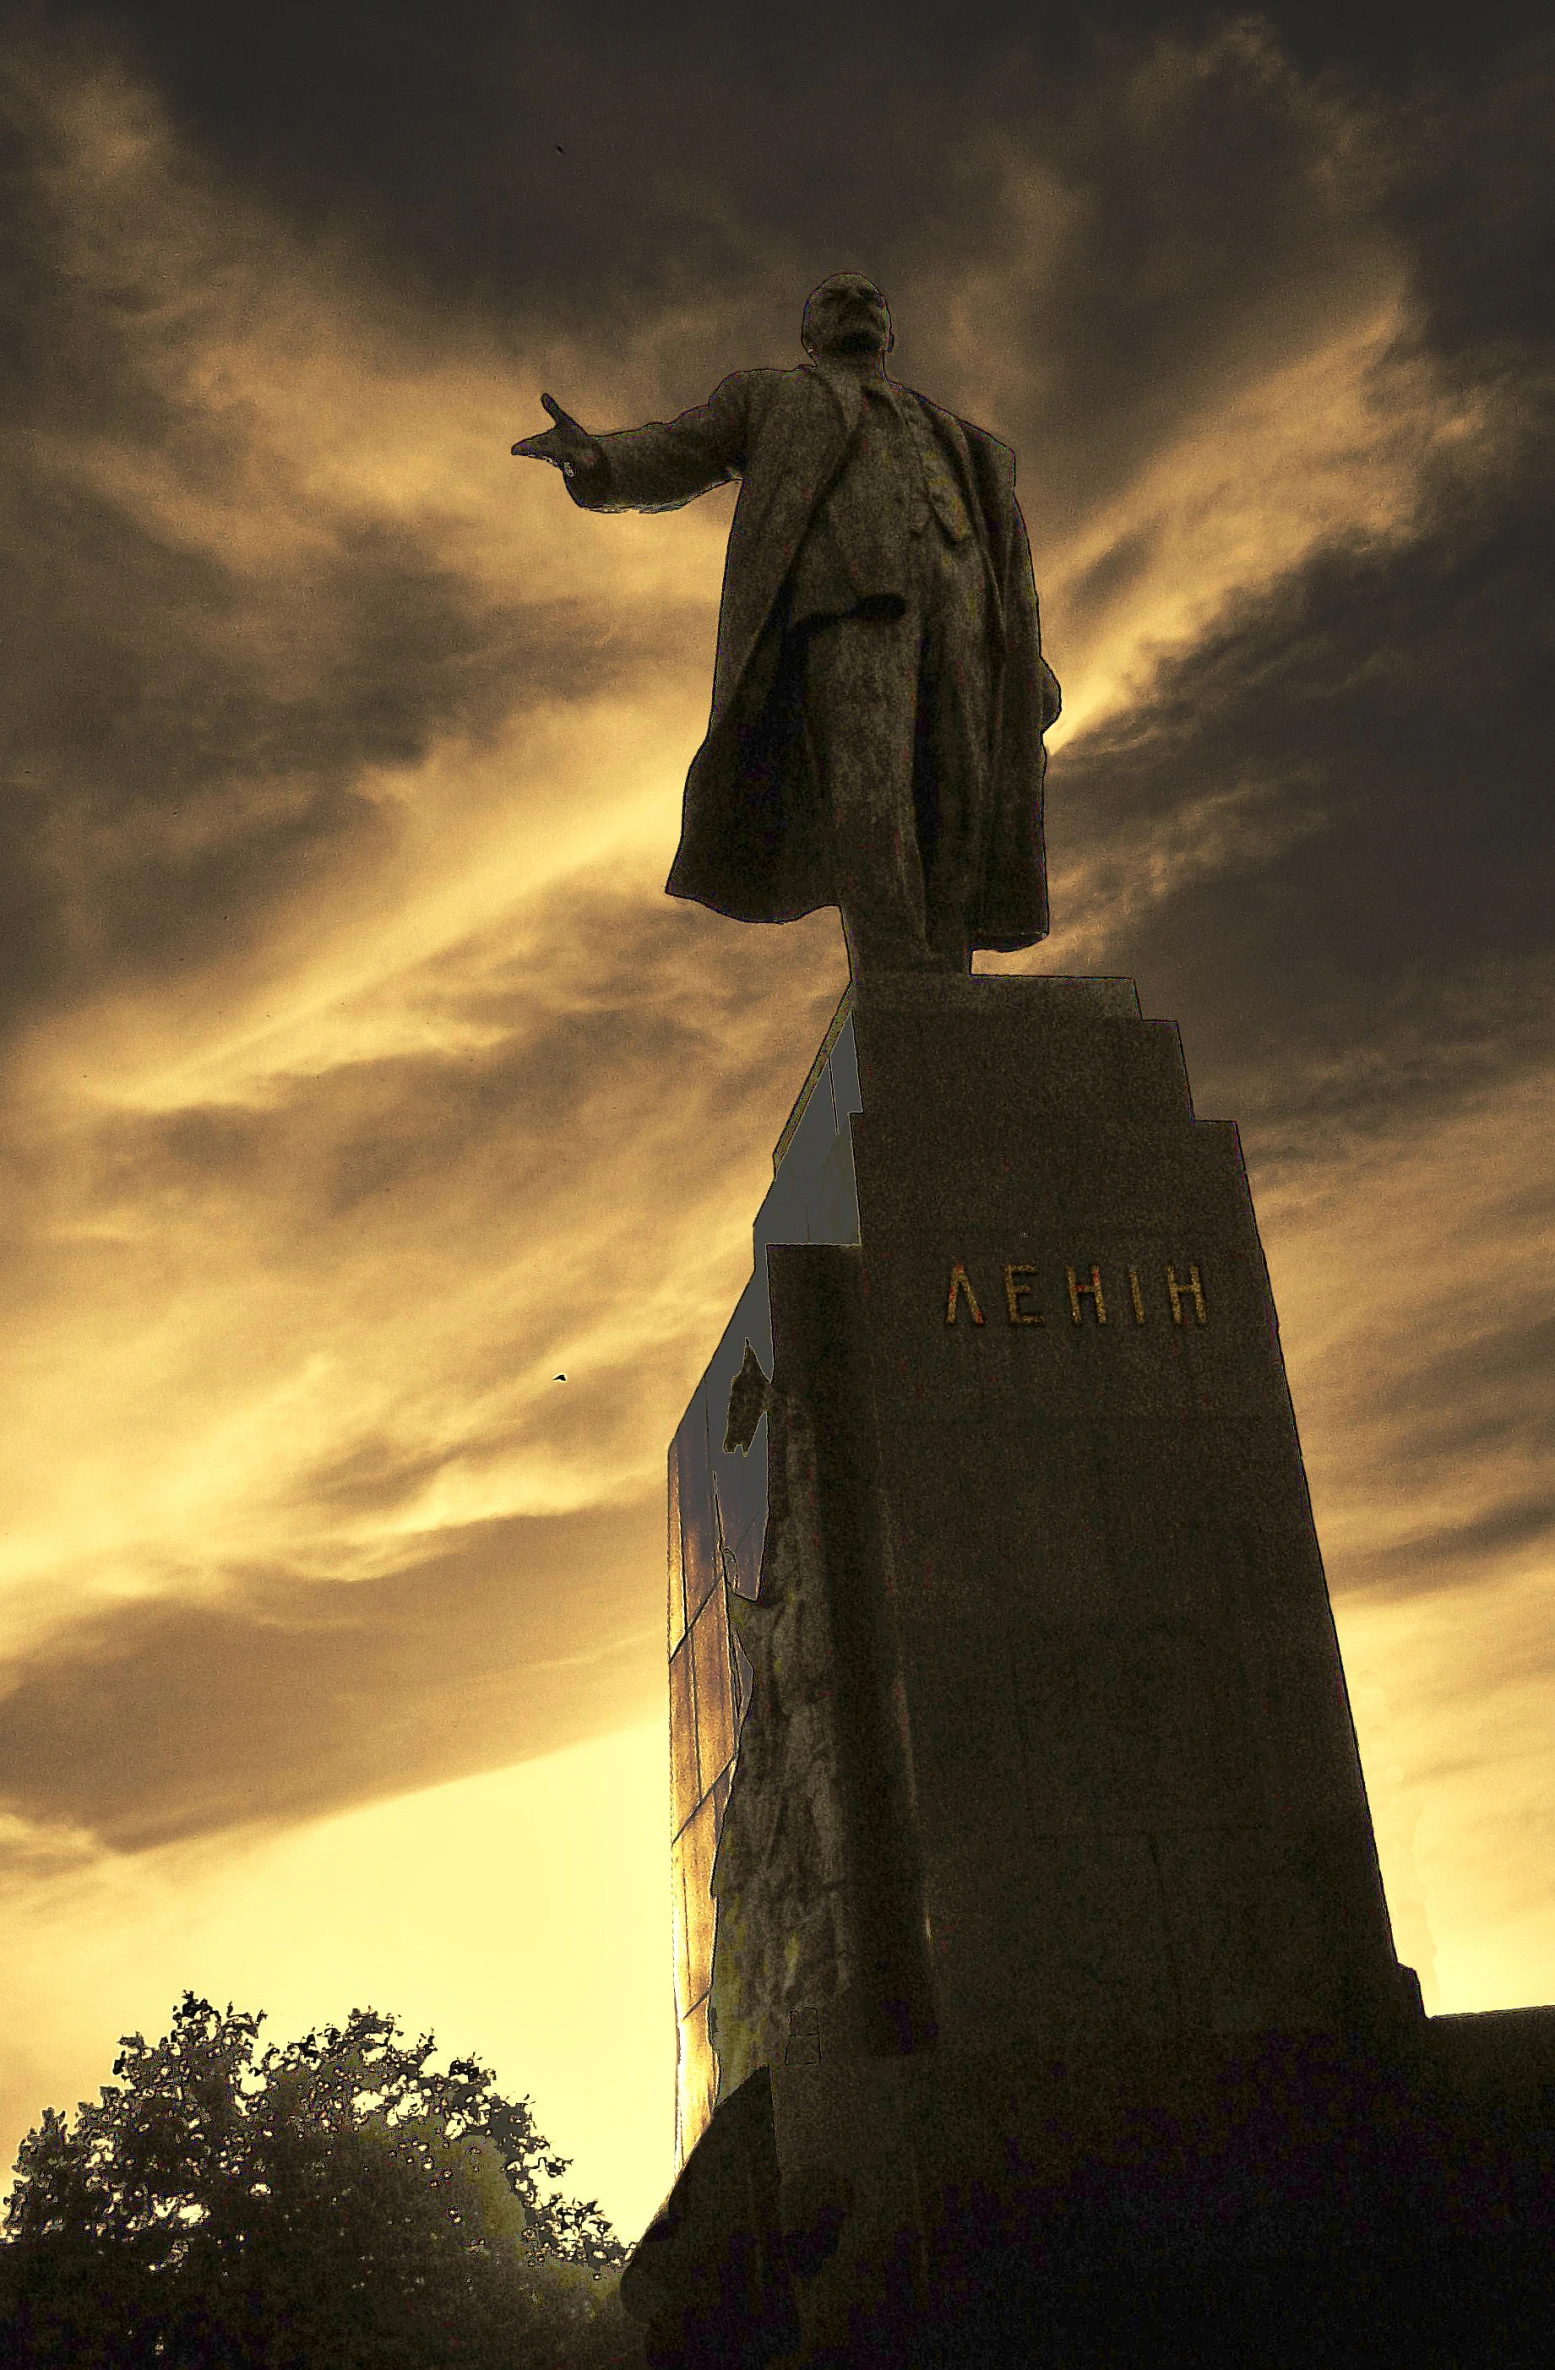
x=961, y=1282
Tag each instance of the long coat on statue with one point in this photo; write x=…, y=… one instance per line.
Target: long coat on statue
x=753, y=834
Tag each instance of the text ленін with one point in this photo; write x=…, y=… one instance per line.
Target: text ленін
x=1183, y=1301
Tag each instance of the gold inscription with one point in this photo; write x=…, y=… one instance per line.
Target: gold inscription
x=1021, y=1286
x=1178, y=1293
x=1015, y=1289
x=1092, y=1290
x=961, y=1282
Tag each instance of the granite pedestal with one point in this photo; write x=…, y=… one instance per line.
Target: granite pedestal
x=1030, y=1932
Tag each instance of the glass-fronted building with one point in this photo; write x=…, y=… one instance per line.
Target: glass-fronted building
x=717, y=1520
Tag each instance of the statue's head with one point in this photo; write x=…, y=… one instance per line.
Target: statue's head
x=846, y=315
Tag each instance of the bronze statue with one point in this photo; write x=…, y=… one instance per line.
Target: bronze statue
x=879, y=694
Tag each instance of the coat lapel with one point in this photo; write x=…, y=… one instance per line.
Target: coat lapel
x=796, y=450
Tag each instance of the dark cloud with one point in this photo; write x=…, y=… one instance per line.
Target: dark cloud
x=1480, y=1390
x=1468, y=1419
x=616, y=1029
x=1465, y=186
x=283, y=1699
x=450, y=139
x=1117, y=571
x=1452, y=1553
x=1183, y=209
x=185, y=736
x=1207, y=230
x=1374, y=909
x=185, y=720
x=1210, y=182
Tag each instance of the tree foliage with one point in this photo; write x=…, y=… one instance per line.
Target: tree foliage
x=331, y=2202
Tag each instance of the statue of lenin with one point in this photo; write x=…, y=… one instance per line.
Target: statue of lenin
x=879, y=694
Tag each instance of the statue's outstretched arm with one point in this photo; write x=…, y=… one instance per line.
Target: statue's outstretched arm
x=657, y=467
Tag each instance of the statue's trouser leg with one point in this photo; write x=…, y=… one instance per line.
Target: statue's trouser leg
x=953, y=699
x=861, y=684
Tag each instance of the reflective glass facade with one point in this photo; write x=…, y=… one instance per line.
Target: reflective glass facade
x=717, y=1518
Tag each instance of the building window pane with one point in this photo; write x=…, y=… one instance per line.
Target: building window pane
x=677, y=1576
x=698, y=1525
x=694, y=1851
x=682, y=1940
x=685, y=1788
x=696, y=2081
x=714, y=1689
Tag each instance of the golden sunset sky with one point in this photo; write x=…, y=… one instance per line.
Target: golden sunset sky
x=359, y=1079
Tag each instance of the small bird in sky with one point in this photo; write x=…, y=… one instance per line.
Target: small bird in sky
x=558, y=1378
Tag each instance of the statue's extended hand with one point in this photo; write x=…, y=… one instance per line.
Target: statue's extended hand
x=562, y=445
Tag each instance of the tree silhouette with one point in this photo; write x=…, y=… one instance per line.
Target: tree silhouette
x=333, y=2202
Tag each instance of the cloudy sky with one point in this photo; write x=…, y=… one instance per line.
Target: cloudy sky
x=358, y=1079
